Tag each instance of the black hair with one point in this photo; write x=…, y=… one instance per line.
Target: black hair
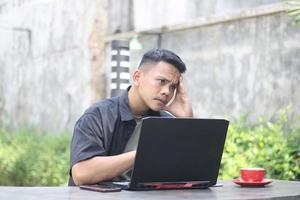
x=158, y=55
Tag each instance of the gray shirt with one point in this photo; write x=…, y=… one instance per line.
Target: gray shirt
x=104, y=129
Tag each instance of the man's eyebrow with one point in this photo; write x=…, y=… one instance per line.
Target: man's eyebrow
x=164, y=78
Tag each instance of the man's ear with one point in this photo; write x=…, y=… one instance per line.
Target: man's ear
x=136, y=77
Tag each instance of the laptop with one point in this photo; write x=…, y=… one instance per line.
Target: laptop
x=177, y=153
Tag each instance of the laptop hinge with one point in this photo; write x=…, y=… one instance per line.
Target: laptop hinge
x=174, y=185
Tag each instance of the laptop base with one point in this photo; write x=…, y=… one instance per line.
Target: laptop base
x=162, y=185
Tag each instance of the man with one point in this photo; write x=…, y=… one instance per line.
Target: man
x=102, y=133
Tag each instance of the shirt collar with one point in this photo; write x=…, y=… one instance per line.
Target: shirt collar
x=125, y=110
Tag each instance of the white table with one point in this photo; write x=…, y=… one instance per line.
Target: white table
x=276, y=190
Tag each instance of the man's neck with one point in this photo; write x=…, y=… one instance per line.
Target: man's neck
x=136, y=104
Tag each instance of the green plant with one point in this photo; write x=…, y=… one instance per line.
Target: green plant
x=29, y=157
x=265, y=144
x=293, y=9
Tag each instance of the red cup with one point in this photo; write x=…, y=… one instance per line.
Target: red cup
x=252, y=174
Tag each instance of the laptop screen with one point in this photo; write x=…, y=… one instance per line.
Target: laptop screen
x=179, y=150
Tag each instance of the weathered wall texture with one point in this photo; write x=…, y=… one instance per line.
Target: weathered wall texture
x=244, y=66
x=46, y=69
x=156, y=13
x=54, y=56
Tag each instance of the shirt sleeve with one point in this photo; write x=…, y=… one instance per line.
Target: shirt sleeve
x=88, y=139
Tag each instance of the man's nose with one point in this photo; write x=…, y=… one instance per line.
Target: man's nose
x=166, y=90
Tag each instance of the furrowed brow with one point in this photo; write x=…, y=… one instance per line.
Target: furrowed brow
x=164, y=78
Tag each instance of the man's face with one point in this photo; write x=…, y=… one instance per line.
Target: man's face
x=157, y=85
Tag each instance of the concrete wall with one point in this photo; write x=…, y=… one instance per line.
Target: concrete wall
x=242, y=66
x=46, y=62
x=156, y=13
x=55, y=61
x=247, y=65
x=120, y=16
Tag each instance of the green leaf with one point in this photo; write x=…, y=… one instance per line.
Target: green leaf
x=293, y=9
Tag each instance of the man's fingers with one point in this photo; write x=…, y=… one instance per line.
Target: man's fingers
x=180, y=87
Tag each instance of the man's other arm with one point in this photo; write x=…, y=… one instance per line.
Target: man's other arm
x=101, y=168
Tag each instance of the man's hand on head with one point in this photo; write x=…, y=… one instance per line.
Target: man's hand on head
x=181, y=106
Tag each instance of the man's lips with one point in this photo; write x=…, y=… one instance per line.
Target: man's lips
x=163, y=101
